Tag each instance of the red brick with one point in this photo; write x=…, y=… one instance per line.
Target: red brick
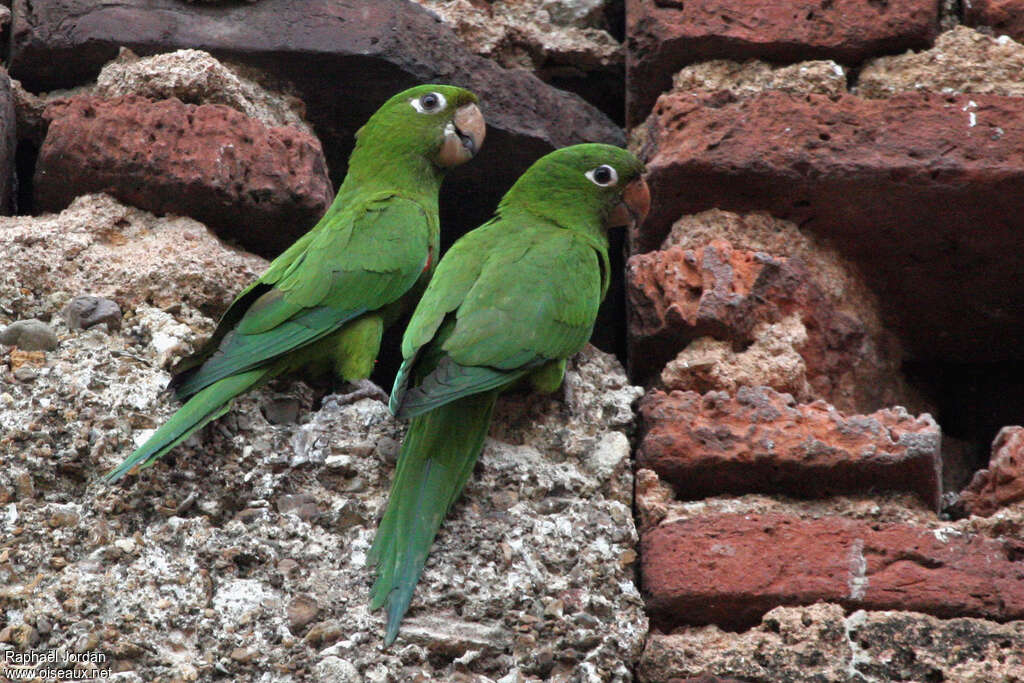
x=343, y=59
x=1005, y=17
x=762, y=441
x=922, y=191
x=678, y=295
x=262, y=186
x=731, y=569
x=1002, y=483
x=665, y=35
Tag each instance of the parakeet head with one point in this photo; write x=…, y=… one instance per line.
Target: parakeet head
x=589, y=181
x=439, y=123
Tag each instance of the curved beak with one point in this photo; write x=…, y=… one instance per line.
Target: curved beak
x=463, y=136
x=632, y=209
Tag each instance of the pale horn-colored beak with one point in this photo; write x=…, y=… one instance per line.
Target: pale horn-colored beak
x=463, y=136
x=634, y=206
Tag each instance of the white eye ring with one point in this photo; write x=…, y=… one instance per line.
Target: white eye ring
x=603, y=175
x=430, y=105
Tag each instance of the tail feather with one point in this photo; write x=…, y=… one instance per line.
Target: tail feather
x=205, y=406
x=437, y=459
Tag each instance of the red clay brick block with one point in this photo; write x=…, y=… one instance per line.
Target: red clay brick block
x=731, y=569
x=262, y=186
x=1002, y=483
x=1005, y=17
x=665, y=35
x=922, y=191
x=762, y=441
x=678, y=295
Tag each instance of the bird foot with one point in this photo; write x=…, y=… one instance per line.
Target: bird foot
x=361, y=388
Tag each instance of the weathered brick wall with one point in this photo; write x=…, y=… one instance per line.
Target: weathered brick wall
x=824, y=310
x=832, y=262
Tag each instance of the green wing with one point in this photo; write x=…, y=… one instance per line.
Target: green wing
x=355, y=261
x=504, y=300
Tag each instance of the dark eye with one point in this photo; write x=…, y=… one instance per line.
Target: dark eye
x=429, y=103
x=603, y=175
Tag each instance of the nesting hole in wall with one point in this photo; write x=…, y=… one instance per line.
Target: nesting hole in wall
x=973, y=402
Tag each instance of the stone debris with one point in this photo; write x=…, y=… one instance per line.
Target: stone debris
x=243, y=551
x=196, y=77
x=533, y=35
x=29, y=335
x=822, y=643
x=824, y=77
x=962, y=61
x=84, y=312
x=127, y=255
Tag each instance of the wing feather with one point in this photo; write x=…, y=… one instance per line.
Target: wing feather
x=505, y=300
x=357, y=261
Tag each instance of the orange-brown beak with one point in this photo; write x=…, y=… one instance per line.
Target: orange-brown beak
x=634, y=206
x=463, y=136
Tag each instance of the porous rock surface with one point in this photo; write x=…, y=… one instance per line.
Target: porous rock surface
x=264, y=186
x=532, y=35
x=822, y=76
x=100, y=247
x=243, y=552
x=196, y=77
x=962, y=61
x=821, y=643
x=682, y=300
x=772, y=359
x=193, y=568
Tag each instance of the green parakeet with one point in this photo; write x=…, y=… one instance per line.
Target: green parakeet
x=510, y=302
x=323, y=304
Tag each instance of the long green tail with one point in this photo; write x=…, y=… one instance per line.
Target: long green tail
x=436, y=460
x=208, y=404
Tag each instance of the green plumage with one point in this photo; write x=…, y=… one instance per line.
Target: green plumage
x=510, y=301
x=322, y=305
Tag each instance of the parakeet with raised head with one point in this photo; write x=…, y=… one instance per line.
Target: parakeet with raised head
x=322, y=305
x=510, y=302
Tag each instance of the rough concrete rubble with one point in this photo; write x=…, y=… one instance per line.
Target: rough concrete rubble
x=961, y=61
x=195, y=77
x=241, y=554
x=533, y=35
x=822, y=643
x=824, y=77
x=100, y=247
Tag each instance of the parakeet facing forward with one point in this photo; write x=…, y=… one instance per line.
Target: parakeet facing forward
x=510, y=302
x=323, y=304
